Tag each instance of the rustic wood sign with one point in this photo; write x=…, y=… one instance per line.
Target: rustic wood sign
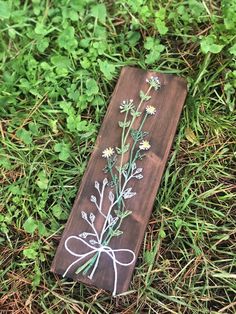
x=104, y=233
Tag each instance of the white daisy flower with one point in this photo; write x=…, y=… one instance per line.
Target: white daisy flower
x=108, y=152
x=150, y=110
x=144, y=145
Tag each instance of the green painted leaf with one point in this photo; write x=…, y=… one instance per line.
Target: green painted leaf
x=116, y=233
x=124, y=124
x=143, y=97
x=138, y=113
x=122, y=150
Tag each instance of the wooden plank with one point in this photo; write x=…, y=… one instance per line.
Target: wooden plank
x=168, y=100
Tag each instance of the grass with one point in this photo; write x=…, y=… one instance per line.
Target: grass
x=60, y=61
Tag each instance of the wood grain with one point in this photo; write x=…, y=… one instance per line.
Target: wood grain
x=169, y=101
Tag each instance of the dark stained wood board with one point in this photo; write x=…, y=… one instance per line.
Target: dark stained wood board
x=169, y=101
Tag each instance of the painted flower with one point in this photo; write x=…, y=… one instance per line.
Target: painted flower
x=144, y=145
x=108, y=152
x=150, y=110
x=126, y=105
x=154, y=82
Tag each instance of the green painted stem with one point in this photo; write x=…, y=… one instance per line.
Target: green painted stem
x=86, y=267
x=122, y=147
x=124, y=137
x=133, y=119
x=134, y=144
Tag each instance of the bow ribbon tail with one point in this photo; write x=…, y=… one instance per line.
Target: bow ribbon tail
x=72, y=264
x=111, y=253
x=102, y=249
x=115, y=274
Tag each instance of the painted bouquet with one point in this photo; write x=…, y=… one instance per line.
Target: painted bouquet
x=115, y=186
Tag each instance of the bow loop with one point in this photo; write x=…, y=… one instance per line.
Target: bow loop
x=99, y=248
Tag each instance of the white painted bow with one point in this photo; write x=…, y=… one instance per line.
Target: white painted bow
x=101, y=249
